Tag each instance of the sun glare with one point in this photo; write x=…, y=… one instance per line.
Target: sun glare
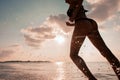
x=58, y=63
x=60, y=39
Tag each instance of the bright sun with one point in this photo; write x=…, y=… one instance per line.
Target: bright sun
x=60, y=39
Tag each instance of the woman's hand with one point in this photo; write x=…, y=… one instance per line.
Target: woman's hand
x=70, y=24
x=71, y=19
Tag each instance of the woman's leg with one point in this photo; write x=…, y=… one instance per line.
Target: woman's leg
x=74, y=50
x=98, y=42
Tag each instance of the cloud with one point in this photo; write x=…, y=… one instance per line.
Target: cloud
x=114, y=22
x=48, y=30
x=32, y=41
x=5, y=53
x=35, y=36
x=104, y=9
x=9, y=52
x=117, y=28
x=60, y=21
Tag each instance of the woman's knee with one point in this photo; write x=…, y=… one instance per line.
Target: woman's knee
x=76, y=59
x=73, y=56
x=105, y=52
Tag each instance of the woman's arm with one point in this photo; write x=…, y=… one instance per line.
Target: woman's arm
x=70, y=24
x=77, y=8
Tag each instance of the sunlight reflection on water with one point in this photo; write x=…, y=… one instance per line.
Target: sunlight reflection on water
x=60, y=71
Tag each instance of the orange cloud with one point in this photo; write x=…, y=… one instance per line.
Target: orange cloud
x=11, y=52
x=104, y=9
x=53, y=25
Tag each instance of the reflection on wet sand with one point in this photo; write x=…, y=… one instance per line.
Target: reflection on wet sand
x=60, y=71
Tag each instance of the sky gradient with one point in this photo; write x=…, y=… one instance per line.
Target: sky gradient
x=33, y=29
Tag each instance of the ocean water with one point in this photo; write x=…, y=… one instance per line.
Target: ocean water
x=53, y=71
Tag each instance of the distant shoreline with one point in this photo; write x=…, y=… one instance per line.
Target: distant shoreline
x=18, y=61
x=26, y=61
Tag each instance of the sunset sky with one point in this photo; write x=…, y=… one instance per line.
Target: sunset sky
x=36, y=30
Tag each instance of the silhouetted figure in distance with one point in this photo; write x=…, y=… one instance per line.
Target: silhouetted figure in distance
x=87, y=27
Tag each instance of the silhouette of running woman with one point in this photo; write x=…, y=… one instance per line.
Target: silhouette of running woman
x=87, y=27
